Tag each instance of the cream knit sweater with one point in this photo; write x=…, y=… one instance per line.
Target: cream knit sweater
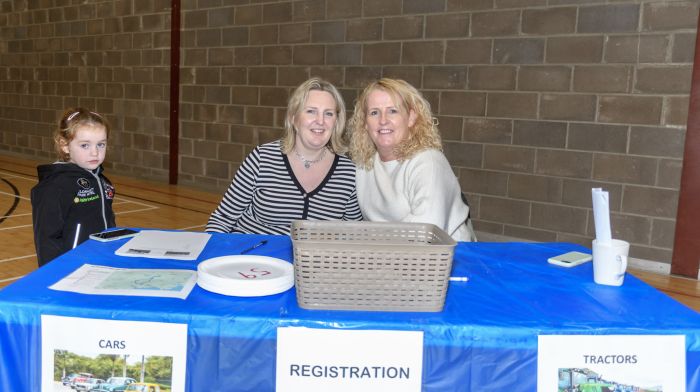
x=420, y=189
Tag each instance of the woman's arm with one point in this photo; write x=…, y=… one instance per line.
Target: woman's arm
x=238, y=196
x=352, y=208
x=432, y=191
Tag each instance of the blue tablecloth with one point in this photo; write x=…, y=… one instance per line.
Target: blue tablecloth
x=485, y=339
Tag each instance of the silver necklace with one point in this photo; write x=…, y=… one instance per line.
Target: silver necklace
x=308, y=162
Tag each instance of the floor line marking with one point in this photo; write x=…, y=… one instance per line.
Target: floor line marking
x=15, y=215
x=191, y=227
x=132, y=201
x=15, y=227
x=17, y=258
x=149, y=208
x=8, y=174
x=14, y=278
x=14, y=196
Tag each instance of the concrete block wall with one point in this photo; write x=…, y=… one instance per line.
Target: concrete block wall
x=111, y=56
x=538, y=100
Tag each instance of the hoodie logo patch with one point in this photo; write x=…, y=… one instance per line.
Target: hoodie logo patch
x=87, y=193
x=83, y=183
x=109, y=192
x=86, y=199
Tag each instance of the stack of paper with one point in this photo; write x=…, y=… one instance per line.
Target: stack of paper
x=179, y=245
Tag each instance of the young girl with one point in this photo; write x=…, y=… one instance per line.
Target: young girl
x=73, y=199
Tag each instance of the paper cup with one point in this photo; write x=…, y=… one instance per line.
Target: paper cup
x=610, y=261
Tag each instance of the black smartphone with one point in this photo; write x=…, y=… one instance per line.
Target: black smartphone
x=113, y=235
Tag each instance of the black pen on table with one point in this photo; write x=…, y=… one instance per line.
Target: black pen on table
x=259, y=244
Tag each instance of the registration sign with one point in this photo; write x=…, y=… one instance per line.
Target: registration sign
x=310, y=359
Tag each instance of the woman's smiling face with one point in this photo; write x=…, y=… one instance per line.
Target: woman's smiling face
x=387, y=122
x=315, y=122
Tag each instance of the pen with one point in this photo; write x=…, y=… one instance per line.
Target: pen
x=259, y=244
x=459, y=279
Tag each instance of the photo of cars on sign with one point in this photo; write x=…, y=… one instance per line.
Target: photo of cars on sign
x=78, y=372
x=88, y=383
x=143, y=387
x=72, y=378
x=114, y=384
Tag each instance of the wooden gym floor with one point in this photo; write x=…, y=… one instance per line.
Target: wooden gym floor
x=147, y=204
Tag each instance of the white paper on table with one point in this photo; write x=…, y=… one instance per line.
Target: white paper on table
x=157, y=244
x=601, y=214
x=101, y=280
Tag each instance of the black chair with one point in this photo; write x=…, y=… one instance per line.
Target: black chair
x=469, y=214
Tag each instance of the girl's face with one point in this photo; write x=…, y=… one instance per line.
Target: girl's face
x=88, y=147
x=314, y=123
x=387, y=123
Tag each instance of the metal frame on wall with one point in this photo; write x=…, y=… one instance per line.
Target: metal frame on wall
x=173, y=167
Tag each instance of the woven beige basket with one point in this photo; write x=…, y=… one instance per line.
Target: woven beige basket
x=371, y=265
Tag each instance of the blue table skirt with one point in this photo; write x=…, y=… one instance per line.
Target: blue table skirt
x=485, y=339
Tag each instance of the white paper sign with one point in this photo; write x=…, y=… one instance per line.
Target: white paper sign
x=617, y=362
x=349, y=360
x=133, y=343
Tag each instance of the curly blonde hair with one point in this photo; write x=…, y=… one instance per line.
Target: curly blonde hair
x=421, y=136
x=68, y=125
x=296, y=104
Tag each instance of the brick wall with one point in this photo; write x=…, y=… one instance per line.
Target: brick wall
x=111, y=56
x=538, y=100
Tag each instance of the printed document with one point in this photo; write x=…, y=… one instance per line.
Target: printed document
x=101, y=280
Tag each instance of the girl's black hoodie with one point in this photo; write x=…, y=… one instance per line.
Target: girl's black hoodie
x=68, y=195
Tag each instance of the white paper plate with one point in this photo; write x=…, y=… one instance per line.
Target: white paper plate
x=245, y=276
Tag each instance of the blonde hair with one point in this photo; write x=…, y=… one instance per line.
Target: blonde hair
x=68, y=125
x=422, y=135
x=295, y=106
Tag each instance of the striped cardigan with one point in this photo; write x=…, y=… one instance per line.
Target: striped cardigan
x=265, y=196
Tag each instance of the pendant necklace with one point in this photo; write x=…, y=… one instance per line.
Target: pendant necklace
x=307, y=162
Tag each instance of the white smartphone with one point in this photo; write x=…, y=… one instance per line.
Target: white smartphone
x=570, y=259
x=113, y=235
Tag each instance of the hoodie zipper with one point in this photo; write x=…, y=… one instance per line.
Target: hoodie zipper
x=102, y=197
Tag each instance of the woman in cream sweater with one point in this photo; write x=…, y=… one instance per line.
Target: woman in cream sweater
x=402, y=174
